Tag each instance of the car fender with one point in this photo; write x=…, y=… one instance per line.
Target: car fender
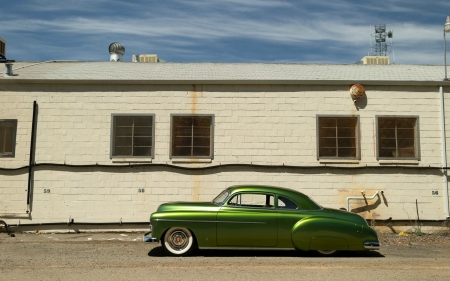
x=324, y=233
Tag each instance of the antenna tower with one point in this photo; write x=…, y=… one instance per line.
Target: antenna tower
x=381, y=48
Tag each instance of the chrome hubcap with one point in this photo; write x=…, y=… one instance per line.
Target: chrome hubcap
x=178, y=240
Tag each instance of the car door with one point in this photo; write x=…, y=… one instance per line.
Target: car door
x=248, y=220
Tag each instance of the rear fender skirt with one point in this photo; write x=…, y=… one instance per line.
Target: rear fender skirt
x=321, y=233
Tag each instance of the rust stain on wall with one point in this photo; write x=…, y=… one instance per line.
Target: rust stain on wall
x=196, y=184
x=196, y=93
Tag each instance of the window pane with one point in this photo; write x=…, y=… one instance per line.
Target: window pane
x=406, y=143
x=143, y=120
x=7, y=136
x=328, y=132
x=181, y=151
x=133, y=135
x=252, y=200
x=346, y=152
x=142, y=141
x=124, y=141
x=284, y=203
x=124, y=131
x=122, y=151
x=338, y=136
x=191, y=136
x=142, y=131
x=406, y=123
x=387, y=153
x=386, y=123
x=330, y=152
x=325, y=122
x=142, y=151
x=202, y=121
x=347, y=142
x=201, y=151
x=201, y=141
x=123, y=121
x=347, y=132
x=346, y=122
x=397, y=137
x=201, y=131
x=405, y=133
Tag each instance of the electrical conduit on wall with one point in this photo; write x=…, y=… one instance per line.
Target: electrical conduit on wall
x=444, y=152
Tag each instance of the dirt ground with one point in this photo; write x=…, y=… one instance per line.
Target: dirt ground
x=123, y=256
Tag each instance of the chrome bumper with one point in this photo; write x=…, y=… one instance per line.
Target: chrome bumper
x=372, y=245
x=148, y=236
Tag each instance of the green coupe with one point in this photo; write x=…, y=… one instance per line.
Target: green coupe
x=259, y=216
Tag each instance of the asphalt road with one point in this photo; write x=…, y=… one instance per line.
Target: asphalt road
x=123, y=256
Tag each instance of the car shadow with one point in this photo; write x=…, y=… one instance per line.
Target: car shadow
x=159, y=252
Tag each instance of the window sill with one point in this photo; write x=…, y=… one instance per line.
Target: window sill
x=398, y=162
x=190, y=160
x=338, y=161
x=132, y=160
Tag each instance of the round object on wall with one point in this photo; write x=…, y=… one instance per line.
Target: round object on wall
x=357, y=91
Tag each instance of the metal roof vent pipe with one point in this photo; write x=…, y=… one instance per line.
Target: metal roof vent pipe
x=116, y=51
x=8, y=69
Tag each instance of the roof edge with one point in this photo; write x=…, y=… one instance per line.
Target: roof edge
x=225, y=82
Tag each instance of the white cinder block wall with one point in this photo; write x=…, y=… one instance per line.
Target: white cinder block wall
x=254, y=124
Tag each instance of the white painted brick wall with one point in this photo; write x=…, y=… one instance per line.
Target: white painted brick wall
x=253, y=124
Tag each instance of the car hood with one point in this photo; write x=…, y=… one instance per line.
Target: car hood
x=188, y=206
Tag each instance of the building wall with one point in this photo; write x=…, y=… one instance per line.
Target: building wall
x=254, y=124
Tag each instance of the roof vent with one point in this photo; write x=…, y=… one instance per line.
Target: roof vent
x=145, y=58
x=375, y=60
x=116, y=51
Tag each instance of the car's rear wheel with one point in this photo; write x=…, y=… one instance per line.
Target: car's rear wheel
x=325, y=253
x=178, y=241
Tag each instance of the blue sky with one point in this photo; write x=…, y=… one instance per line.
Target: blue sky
x=319, y=31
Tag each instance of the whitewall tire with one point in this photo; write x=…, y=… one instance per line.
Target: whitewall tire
x=178, y=241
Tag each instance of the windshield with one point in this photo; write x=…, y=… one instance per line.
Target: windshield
x=221, y=197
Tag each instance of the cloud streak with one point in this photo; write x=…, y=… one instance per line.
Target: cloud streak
x=203, y=30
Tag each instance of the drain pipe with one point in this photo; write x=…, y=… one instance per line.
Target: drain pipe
x=359, y=198
x=31, y=163
x=444, y=153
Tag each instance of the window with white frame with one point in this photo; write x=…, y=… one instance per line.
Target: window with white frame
x=192, y=136
x=8, y=128
x=132, y=135
x=398, y=137
x=338, y=137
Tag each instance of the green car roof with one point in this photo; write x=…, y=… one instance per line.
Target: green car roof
x=302, y=200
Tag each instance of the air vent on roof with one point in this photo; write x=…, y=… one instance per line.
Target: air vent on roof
x=2, y=48
x=376, y=60
x=145, y=58
x=116, y=51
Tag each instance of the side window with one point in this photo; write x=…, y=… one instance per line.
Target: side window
x=132, y=135
x=397, y=137
x=252, y=200
x=8, y=128
x=284, y=203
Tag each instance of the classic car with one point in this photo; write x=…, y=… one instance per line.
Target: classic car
x=259, y=216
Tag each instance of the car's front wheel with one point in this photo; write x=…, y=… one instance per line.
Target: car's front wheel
x=178, y=241
x=324, y=253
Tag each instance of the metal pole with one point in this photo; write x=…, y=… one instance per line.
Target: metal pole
x=31, y=163
x=445, y=56
x=444, y=151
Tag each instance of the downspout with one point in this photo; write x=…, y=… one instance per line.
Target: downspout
x=444, y=153
x=31, y=163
